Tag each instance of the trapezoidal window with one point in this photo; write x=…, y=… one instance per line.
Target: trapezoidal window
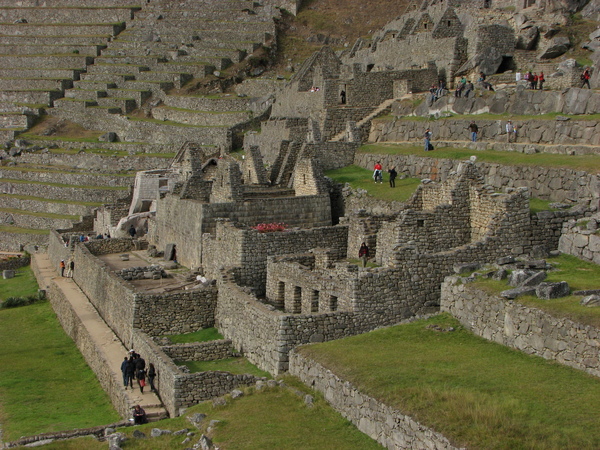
x=370, y=67
x=333, y=303
x=297, y=300
x=314, y=302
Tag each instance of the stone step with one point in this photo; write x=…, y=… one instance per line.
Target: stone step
x=232, y=103
x=178, y=79
x=35, y=221
x=132, y=59
x=9, y=134
x=37, y=62
x=140, y=95
x=165, y=46
x=206, y=118
x=39, y=83
x=46, y=205
x=152, y=87
x=21, y=108
x=74, y=104
x=65, y=29
x=69, y=74
x=85, y=94
x=41, y=49
x=93, y=85
x=185, y=35
x=16, y=120
x=108, y=77
x=68, y=192
x=69, y=3
x=120, y=69
x=126, y=105
x=30, y=96
x=65, y=174
x=100, y=40
x=75, y=15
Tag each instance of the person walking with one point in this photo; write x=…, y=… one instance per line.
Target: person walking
x=585, y=78
x=124, y=365
x=141, y=377
x=393, y=175
x=427, y=138
x=363, y=253
x=62, y=267
x=130, y=371
x=510, y=132
x=473, y=128
x=377, y=174
x=151, y=377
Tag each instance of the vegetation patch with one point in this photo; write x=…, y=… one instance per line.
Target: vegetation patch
x=22, y=285
x=360, y=178
x=588, y=163
x=20, y=230
x=45, y=384
x=477, y=393
x=204, y=335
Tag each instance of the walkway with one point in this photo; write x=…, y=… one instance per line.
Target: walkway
x=104, y=338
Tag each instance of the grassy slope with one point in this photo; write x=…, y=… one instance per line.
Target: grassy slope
x=477, y=393
x=22, y=285
x=45, y=385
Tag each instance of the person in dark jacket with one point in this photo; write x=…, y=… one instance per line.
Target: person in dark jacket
x=393, y=175
x=363, y=253
x=130, y=371
x=141, y=377
x=139, y=415
x=124, y=365
x=151, y=377
x=132, y=231
x=140, y=363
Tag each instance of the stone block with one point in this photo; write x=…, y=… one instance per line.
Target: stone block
x=549, y=291
x=7, y=274
x=517, y=292
x=590, y=300
x=535, y=279
x=517, y=277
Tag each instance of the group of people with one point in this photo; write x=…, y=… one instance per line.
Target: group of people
x=378, y=174
x=69, y=267
x=463, y=86
x=134, y=367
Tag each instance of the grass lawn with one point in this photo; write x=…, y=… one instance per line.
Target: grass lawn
x=363, y=179
x=237, y=366
x=588, y=163
x=579, y=274
x=22, y=285
x=204, y=335
x=477, y=393
x=13, y=229
x=45, y=384
x=273, y=418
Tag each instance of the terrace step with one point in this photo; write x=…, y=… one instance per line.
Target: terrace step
x=165, y=46
x=31, y=61
x=16, y=120
x=38, y=83
x=83, y=50
x=157, y=87
x=178, y=79
x=74, y=104
x=68, y=29
x=131, y=59
x=58, y=174
x=21, y=108
x=93, y=85
x=206, y=118
x=172, y=14
x=33, y=221
x=120, y=69
x=68, y=3
x=38, y=204
x=100, y=40
x=208, y=36
x=67, y=192
x=139, y=95
x=68, y=74
x=232, y=103
x=107, y=77
x=30, y=96
x=202, y=25
x=85, y=94
x=47, y=15
x=126, y=105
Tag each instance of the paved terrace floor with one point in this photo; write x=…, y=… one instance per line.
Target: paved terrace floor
x=105, y=340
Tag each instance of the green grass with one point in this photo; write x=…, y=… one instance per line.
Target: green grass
x=362, y=178
x=45, y=385
x=588, y=163
x=22, y=285
x=238, y=366
x=477, y=393
x=581, y=275
x=34, y=137
x=537, y=205
x=50, y=200
x=13, y=229
x=273, y=418
x=204, y=335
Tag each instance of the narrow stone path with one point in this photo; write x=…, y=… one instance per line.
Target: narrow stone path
x=105, y=340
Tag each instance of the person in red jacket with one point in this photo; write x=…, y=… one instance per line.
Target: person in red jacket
x=585, y=78
x=377, y=174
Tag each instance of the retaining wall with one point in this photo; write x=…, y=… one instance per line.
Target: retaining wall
x=386, y=425
x=582, y=239
x=528, y=329
x=200, y=351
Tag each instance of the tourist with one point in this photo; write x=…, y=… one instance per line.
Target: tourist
x=132, y=231
x=343, y=97
x=124, y=365
x=541, y=81
x=140, y=363
x=535, y=80
x=427, y=138
x=130, y=371
x=468, y=88
x=70, y=268
x=393, y=175
x=585, y=78
x=139, y=415
x=151, y=377
x=473, y=128
x=377, y=175
x=62, y=267
x=363, y=253
x=510, y=132
x=141, y=377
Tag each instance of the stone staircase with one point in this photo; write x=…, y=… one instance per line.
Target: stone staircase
x=383, y=108
x=164, y=46
x=44, y=47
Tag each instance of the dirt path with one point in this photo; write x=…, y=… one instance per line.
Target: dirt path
x=106, y=341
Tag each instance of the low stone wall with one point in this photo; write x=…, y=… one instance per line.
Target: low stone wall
x=93, y=354
x=15, y=242
x=527, y=329
x=386, y=425
x=200, y=351
x=556, y=184
x=15, y=263
x=582, y=239
x=99, y=247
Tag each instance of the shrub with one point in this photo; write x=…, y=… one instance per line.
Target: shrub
x=14, y=302
x=270, y=227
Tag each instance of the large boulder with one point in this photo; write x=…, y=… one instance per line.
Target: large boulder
x=527, y=38
x=555, y=47
x=487, y=62
x=549, y=290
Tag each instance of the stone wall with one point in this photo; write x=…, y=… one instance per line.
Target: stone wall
x=200, y=351
x=386, y=425
x=545, y=136
x=14, y=263
x=581, y=238
x=175, y=312
x=16, y=242
x=556, y=184
x=93, y=355
x=527, y=329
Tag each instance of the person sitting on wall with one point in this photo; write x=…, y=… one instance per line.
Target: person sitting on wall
x=468, y=88
x=139, y=415
x=363, y=253
x=132, y=231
